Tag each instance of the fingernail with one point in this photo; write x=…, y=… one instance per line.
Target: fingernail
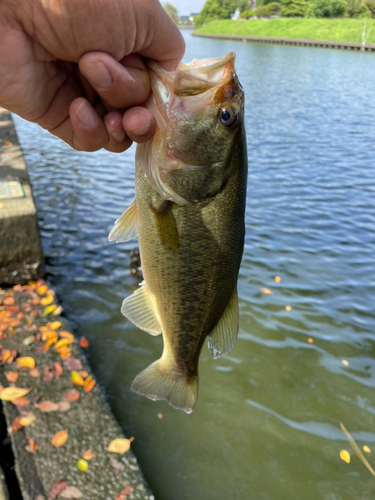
x=119, y=135
x=142, y=130
x=98, y=75
x=85, y=115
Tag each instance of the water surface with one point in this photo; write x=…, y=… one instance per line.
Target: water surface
x=266, y=426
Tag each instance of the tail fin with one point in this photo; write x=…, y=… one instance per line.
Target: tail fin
x=159, y=383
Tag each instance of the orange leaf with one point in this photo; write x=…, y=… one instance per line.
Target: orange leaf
x=60, y=438
x=72, y=395
x=16, y=425
x=266, y=291
x=63, y=343
x=8, y=301
x=47, y=406
x=83, y=342
x=57, y=369
x=88, y=455
x=42, y=290
x=83, y=373
x=77, y=378
x=26, y=362
x=20, y=402
x=89, y=387
x=12, y=376
x=55, y=325
x=47, y=300
x=32, y=446
x=66, y=335
x=34, y=372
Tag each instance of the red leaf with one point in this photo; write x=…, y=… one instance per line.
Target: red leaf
x=72, y=395
x=57, y=488
x=57, y=369
x=47, y=375
x=83, y=342
x=73, y=364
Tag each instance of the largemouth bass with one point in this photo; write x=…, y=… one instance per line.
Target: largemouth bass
x=188, y=213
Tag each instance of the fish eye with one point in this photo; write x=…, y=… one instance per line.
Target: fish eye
x=227, y=116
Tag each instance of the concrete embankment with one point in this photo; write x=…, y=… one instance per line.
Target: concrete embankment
x=292, y=41
x=65, y=441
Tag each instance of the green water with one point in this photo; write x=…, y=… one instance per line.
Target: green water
x=266, y=426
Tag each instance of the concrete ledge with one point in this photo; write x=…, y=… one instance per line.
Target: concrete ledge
x=20, y=249
x=293, y=41
x=89, y=421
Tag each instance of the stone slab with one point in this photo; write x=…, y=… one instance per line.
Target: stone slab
x=21, y=256
x=89, y=421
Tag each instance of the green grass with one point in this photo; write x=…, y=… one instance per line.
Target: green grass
x=341, y=30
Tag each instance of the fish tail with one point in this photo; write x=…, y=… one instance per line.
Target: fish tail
x=161, y=382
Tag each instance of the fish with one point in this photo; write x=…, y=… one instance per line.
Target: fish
x=188, y=214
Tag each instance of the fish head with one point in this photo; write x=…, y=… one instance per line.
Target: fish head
x=199, y=113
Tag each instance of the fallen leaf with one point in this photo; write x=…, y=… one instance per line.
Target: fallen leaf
x=42, y=290
x=27, y=419
x=160, y=416
x=66, y=335
x=288, y=308
x=72, y=395
x=26, y=362
x=47, y=375
x=32, y=446
x=277, y=279
x=57, y=369
x=83, y=373
x=90, y=385
x=36, y=301
x=83, y=342
x=16, y=424
x=82, y=465
x=60, y=438
x=47, y=300
x=64, y=405
x=57, y=311
x=54, y=325
x=56, y=489
x=8, y=301
x=71, y=492
x=366, y=449
x=17, y=288
x=266, y=291
x=310, y=340
x=123, y=493
x=63, y=343
x=10, y=393
x=344, y=362
x=28, y=340
x=344, y=455
x=7, y=143
x=47, y=406
x=5, y=354
x=12, y=376
x=34, y=372
x=49, y=309
x=88, y=455
x=73, y=364
x=116, y=464
x=77, y=378
x=65, y=353
x=20, y=402
x=120, y=445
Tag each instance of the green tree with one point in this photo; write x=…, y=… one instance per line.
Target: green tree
x=171, y=11
x=326, y=8
x=219, y=9
x=293, y=8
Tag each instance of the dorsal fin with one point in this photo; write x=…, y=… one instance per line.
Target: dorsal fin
x=125, y=227
x=139, y=309
x=223, y=337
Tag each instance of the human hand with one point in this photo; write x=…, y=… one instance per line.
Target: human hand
x=53, y=61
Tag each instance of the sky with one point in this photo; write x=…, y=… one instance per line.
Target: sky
x=186, y=7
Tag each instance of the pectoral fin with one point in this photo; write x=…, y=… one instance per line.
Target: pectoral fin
x=125, y=227
x=139, y=309
x=223, y=337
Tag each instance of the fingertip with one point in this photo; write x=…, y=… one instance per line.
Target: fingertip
x=139, y=124
x=88, y=130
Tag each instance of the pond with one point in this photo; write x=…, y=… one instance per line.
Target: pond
x=266, y=426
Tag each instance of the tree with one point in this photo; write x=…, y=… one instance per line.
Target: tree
x=171, y=11
x=219, y=9
x=293, y=8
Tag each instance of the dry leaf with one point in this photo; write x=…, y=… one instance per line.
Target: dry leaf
x=57, y=369
x=120, y=445
x=16, y=424
x=47, y=406
x=28, y=340
x=266, y=291
x=310, y=340
x=20, y=402
x=366, y=449
x=34, y=372
x=60, y=438
x=26, y=362
x=56, y=489
x=277, y=279
x=83, y=342
x=42, y=290
x=66, y=335
x=123, y=493
x=12, y=376
x=344, y=362
x=77, y=378
x=49, y=309
x=10, y=393
x=27, y=419
x=73, y=364
x=72, y=395
x=55, y=325
x=64, y=406
x=88, y=455
x=32, y=446
x=344, y=455
x=71, y=492
x=90, y=385
x=47, y=375
x=82, y=465
x=84, y=373
x=8, y=301
x=116, y=464
x=63, y=343
x=288, y=308
x=57, y=311
x=47, y=300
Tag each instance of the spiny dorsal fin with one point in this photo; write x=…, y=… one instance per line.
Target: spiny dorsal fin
x=223, y=337
x=138, y=308
x=125, y=227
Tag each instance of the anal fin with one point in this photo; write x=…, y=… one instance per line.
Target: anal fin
x=125, y=227
x=223, y=337
x=139, y=309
